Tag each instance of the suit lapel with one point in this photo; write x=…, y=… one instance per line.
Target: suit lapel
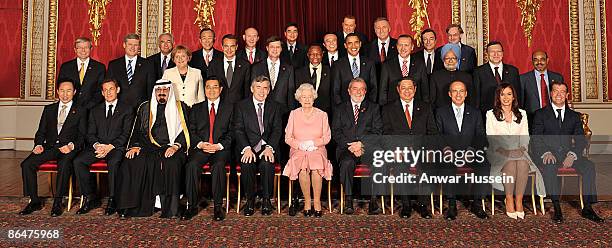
x=267, y=113
x=123, y=69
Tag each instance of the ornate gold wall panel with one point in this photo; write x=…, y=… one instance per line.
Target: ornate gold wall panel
x=51, y=49
x=24, y=46
x=139, y=18
x=167, y=25
x=152, y=24
x=37, y=30
x=604, y=48
x=485, y=27
x=575, y=49
x=456, y=11
x=589, y=53
x=470, y=22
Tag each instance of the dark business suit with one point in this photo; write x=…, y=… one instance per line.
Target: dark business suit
x=284, y=88
x=342, y=76
x=342, y=50
x=296, y=59
x=72, y=131
x=345, y=131
x=247, y=133
x=240, y=85
x=423, y=123
x=258, y=56
x=104, y=130
x=548, y=136
x=197, y=60
x=531, y=95
x=467, y=61
x=141, y=88
x=472, y=136
x=199, y=130
x=440, y=81
x=89, y=91
x=485, y=85
x=155, y=60
x=324, y=99
x=373, y=51
x=392, y=73
x=437, y=63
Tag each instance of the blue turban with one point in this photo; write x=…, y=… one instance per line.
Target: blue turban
x=452, y=47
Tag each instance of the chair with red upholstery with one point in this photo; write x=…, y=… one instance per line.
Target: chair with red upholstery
x=361, y=171
x=277, y=177
x=51, y=167
x=207, y=171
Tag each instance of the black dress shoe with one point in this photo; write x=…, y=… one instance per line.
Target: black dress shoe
x=123, y=214
x=589, y=213
x=557, y=215
x=219, y=215
x=308, y=213
x=348, y=209
x=451, y=213
x=111, y=207
x=155, y=209
x=88, y=205
x=406, y=211
x=31, y=207
x=189, y=213
x=249, y=209
x=318, y=214
x=477, y=210
x=266, y=208
x=294, y=207
x=425, y=214
x=373, y=208
x=57, y=209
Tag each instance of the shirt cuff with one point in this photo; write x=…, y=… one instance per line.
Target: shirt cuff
x=220, y=146
x=177, y=144
x=199, y=144
x=272, y=149
x=244, y=149
x=95, y=144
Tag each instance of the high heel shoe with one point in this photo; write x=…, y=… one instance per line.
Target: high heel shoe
x=520, y=215
x=318, y=214
x=513, y=215
x=308, y=213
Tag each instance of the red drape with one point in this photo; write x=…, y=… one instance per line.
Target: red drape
x=314, y=17
x=187, y=33
x=10, y=29
x=399, y=13
x=73, y=22
x=550, y=34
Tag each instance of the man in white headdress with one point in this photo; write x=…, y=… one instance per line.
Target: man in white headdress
x=156, y=154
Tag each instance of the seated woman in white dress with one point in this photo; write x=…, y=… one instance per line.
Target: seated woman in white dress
x=508, y=142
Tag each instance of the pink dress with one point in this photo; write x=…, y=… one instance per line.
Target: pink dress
x=300, y=129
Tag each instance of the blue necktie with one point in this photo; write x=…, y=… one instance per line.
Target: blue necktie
x=130, y=72
x=354, y=68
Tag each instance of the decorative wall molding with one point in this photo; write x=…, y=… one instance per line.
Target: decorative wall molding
x=167, y=19
x=456, y=11
x=51, y=49
x=24, y=47
x=152, y=23
x=575, y=49
x=604, y=50
x=36, y=47
x=589, y=49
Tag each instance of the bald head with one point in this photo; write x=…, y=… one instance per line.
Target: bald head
x=250, y=37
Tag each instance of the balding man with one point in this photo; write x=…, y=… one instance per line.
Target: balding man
x=250, y=52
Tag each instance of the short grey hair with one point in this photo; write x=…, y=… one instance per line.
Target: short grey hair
x=131, y=36
x=168, y=34
x=81, y=40
x=357, y=79
x=303, y=87
x=260, y=79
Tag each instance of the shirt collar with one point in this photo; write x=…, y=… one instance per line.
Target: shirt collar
x=401, y=60
x=127, y=59
x=255, y=101
x=114, y=103
x=385, y=41
x=555, y=107
x=270, y=61
x=216, y=102
x=225, y=59
x=408, y=102
x=313, y=66
x=86, y=61
x=538, y=73
x=354, y=103
x=501, y=66
x=350, y=57
x=68, y=105
x=462, y=106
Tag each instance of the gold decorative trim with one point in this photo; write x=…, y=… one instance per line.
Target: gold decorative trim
x=152, y=27
x=485, y=27
x=205, y=13
x=470, y=27
x=24, y=47
x=139, y=18
x=589, y=54
x=456, y=11
x=167, y=27
x=575, y=50
x=36, y=47
x=529, y=10
x=604, y=48
x=419, y=12
x=97, y=14
x=15, y=138
x=51, y=49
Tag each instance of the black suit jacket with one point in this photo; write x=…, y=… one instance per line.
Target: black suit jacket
x=391, y=74
x=531, y=94
x=373, y=52
x=395, y=123
x=323, y=100
x=284, y=88
x=197, y=60
x=547, y=136
x=89, y=92
x=342, y=50
x=472, y=134
x=325, y=60
x=246, y=127
x=199, y=124
x=438, y=64
x=298, y=59
x=115, y=130
x=439, y=83
x=143, y=80
x=342, y=76
x=344, y=129
x=468, y=59
x=73, y=130
x=239, y=88
x=485, y=85
x=258, y=56
x=155, y=60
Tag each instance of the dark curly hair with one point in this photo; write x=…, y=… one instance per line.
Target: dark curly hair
x=497, y=108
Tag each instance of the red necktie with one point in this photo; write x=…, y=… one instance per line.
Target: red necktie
x=497, y=76
x=251, y=57
x=356, y=114
x=211, y=119
x=382, y=52
x=408, y=118
x=405, y=68
x=544, y=91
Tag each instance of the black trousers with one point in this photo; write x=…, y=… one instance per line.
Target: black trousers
x=193, y=172
x=249, y=172
x=584, y=166
x=81, y=170
x=30, y=165
x=479, y=190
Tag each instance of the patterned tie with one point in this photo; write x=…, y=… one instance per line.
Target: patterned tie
x=544, y=91
x=428, y=65
x=61, y=118
x=356, y=113
x=211, y=122
x=251, y=57
x=354, y=68
x=497, y=76
x=459, y=118
x=405, y=68
x=261, y=125
x=382, y=52
x=130, y=72
x=82, y=72
x=229, y=74
x=273, y=74
x=165, y=63
x=408, y=118
x=313, y=78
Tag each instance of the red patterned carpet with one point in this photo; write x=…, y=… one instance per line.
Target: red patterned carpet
x=94, y=229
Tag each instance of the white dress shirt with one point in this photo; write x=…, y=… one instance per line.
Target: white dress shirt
x=319, y=69
x=387, y=43
x=500, y=69
x=410, y=106
x=85, y=63
x=133, y=63
x=114, y=103
x=460, y=109
x=351, y=58
x=276, y=68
